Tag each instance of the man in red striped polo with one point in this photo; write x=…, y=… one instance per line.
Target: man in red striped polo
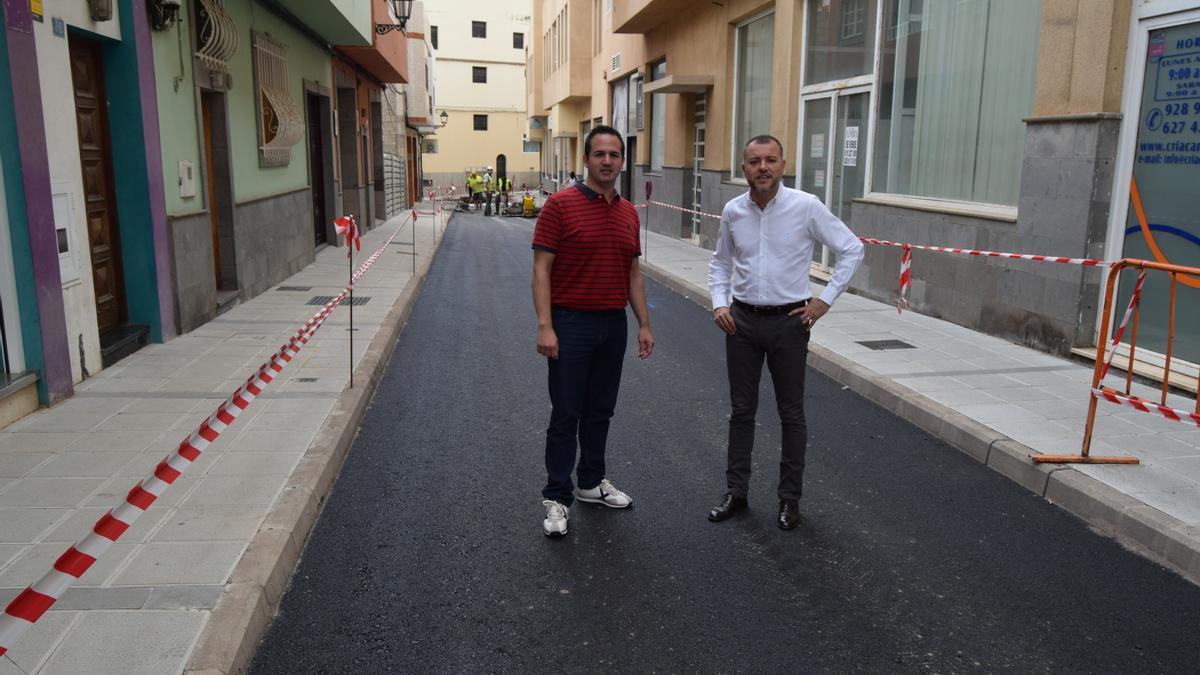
x=585, y=270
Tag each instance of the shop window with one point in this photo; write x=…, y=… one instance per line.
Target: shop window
x=752, y=86
x=479, y=29
x=841, y=40
x=955, y=82
x=480, y=122
x=280, y=123
x=658, y=120
x=479, y=74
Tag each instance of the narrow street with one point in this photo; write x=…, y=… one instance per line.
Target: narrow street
x=429, y=555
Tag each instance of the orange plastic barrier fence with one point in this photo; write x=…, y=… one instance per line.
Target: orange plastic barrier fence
x=1106, y=350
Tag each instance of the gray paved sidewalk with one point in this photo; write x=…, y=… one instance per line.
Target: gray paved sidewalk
x=1033, y=398
x=143, y=606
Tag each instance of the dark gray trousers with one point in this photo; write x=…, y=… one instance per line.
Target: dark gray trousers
x=783, y=341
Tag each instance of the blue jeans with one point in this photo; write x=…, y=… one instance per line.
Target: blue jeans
x=583, y=383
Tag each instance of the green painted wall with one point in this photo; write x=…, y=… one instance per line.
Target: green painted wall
x=306, y=61
x=339, y=22
x=178, y=108
x=177, y=113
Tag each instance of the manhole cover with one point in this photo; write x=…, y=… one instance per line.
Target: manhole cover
x=326, y=299
x=294, y=288
x=886, y=344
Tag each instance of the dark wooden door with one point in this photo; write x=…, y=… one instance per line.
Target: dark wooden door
x=210, y=184
x=316, y=167
x=95, y=158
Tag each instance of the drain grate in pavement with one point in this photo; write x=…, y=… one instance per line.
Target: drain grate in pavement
x=881, y=345
x=294, y=288
x=304, y=379
x=325, y=299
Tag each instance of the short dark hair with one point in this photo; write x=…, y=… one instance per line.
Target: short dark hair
x=760, y=140
x=596, y=131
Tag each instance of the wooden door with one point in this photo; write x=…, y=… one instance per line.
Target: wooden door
x=210, y=184
x=100, y=208
x=316, y=167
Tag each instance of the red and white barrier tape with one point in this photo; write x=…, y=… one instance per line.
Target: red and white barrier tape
x=990, y=254
x=905, y=278
x=681, y=209
x=1134, y=300
x=1146, y=406
x=32, y=603
x=906, y=256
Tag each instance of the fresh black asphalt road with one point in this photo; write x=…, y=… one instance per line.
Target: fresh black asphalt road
x=912, y=557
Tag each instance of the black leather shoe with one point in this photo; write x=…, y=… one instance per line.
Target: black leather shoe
x=729, y=507
x=789, y=514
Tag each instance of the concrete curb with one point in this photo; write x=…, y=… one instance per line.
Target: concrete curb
x=1143, y=529
x=251, y=598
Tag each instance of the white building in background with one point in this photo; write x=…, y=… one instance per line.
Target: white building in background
x=480, y=50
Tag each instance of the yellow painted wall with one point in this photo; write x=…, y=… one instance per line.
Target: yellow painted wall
x=460, y=146
x=702, y=43
x=1081, y=57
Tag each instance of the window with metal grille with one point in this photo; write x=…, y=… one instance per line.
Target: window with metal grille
x=478, y=29
x=518, y=41
x=479, y=74
x=280, y=123
x=433, y=36
x=480, y=122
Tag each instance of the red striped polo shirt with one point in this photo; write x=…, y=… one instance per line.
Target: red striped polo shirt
x=594, y=243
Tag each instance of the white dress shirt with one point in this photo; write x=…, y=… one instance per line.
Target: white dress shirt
x=763, y=256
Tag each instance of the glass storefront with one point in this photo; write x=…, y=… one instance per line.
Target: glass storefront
x=956, y=78
x=1166, y=172
x=841, y=40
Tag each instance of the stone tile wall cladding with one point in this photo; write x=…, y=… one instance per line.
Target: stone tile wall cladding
x=274, y=240
x=195, y=287
x=1063, y=210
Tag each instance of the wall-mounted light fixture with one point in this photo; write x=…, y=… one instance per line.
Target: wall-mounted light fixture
x=444, y=117
x=163, y=13
x=403, y=10
x=100, y=10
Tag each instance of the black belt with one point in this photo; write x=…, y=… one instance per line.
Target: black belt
x=768, y=309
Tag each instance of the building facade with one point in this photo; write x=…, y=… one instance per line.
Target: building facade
x=84, y=250
x=271, y=128
x=161, y=160
x=981, y=124
x=480, y=49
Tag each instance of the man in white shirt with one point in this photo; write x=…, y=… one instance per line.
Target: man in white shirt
x=762, y=259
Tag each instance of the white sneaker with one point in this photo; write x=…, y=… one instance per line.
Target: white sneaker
x=605, y=493
x=555, y=523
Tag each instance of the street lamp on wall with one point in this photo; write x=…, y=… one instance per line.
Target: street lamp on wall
x=403, y=10
x=444, y=117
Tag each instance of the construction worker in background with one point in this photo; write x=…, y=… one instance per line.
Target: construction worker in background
x=487, y=180
x=474, y=186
